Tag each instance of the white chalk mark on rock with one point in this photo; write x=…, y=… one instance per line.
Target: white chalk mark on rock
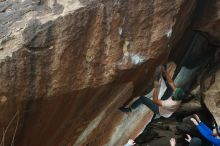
x=136, y=59
x=169, y=32
x=120, y=31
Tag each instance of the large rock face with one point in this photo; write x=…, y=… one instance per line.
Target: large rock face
x=66, y=66
x=211, y=93
x=208, y=20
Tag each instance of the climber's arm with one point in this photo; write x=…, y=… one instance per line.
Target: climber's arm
x=169, y=80
x=155, y=94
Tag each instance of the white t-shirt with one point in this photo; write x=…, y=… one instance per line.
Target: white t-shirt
x=168, y=107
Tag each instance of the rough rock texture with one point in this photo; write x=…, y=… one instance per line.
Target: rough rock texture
x=211, y=93
x=66, y=66
x=207, y=20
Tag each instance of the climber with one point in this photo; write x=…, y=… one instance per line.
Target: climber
x=165, y=107
x=211, y=136
x=195, y=141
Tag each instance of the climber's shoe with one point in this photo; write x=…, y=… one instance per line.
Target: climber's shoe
x=125, y=109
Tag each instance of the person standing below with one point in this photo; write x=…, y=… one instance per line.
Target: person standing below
x=206, y=132
x=165, y=107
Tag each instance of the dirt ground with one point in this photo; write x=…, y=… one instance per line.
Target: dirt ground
x=163, y=131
